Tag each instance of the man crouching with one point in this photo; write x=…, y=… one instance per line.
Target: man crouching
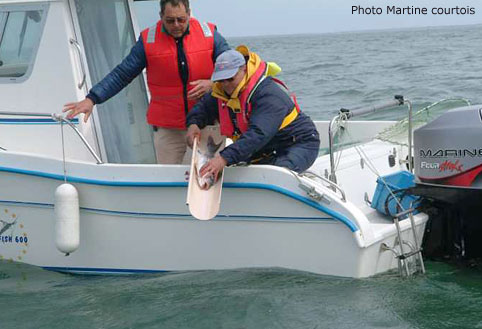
x=257, y=112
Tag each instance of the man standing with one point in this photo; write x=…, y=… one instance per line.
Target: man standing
x=178, y=54
x=255, y=110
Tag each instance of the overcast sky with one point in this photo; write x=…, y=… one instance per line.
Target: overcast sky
x=268, y=17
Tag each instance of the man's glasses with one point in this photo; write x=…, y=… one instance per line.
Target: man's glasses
x=226, y=80
x=172, y=20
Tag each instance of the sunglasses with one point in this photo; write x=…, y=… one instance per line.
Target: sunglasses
x=172, y=20
x=227, y=80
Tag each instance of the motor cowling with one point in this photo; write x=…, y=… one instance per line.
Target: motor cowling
x=448, y=150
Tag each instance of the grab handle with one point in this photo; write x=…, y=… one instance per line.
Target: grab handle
x=77, y=46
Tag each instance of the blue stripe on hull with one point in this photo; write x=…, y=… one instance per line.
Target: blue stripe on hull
x=185, y=216
x=33, y=121
x=100, y=271
x=338, y=216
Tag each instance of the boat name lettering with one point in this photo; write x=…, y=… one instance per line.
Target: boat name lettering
x=12, y=239
x=451, y=153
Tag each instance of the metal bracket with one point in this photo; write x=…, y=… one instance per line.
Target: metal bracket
x=312, y=192
x=331, y=185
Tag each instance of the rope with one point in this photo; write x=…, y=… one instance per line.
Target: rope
x=63, y=150
x=373, y=169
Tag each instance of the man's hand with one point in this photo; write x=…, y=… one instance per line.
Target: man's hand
x=86, y=106
x=213, y=167
x=201, y=87
x=193, y=131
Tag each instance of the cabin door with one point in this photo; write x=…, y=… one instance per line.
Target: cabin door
x=107, y=36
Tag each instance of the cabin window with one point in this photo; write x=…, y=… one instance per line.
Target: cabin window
x=20, y=31
x=108, y=36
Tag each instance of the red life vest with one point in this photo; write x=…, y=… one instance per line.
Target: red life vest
x=231, y=129
x=167, y=105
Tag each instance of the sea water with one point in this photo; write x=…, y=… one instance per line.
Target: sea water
x=327, y=72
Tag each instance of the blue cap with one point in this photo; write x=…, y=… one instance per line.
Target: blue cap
x=227, y=65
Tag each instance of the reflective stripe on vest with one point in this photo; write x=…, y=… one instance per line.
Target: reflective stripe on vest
x=151, y=35
x=207, y=30
x=166, y=107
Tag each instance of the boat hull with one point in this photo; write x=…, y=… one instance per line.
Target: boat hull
x=144, y=226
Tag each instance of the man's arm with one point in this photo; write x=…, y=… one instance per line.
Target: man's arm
x=220, y=44
x=204, y=113
x=114, y=82
x=121, y=75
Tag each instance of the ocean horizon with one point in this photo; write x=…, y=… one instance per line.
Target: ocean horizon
x=326, y=71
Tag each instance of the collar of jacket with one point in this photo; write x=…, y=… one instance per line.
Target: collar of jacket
x=254, y=61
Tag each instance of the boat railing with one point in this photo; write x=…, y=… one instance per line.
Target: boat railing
x=346, y=114
x=311, y=190
x=61, y=119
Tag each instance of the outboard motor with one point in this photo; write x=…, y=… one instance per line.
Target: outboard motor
x=448, y=170
x=448, y=150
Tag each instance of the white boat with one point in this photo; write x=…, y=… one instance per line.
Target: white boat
x=133, y=216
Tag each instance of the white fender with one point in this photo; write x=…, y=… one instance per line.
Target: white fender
x=67, y=231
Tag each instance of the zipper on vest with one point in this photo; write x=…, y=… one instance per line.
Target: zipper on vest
x=183, y=70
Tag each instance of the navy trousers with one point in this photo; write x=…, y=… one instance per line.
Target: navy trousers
x=297, y=157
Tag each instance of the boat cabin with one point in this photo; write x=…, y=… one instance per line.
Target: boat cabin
x=52, y=53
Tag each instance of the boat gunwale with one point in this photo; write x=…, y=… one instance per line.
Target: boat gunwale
x=270, y=187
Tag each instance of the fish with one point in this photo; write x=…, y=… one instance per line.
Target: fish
x=203, y=158
x=6, y=226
